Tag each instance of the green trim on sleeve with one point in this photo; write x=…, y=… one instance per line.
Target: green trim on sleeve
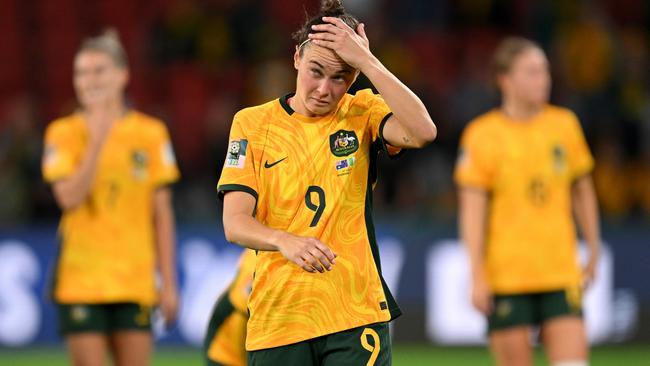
x=384, y=148
x=583, y=173
x=224, y=188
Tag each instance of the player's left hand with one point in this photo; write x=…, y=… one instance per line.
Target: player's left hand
x=351, y=47
x=168, y=304
x=589, y=270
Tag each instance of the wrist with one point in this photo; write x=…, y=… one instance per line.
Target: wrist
x=371, y=66
x=276, y=239
x=478, y=274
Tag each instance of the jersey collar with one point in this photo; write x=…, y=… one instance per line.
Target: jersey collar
x=284, y=102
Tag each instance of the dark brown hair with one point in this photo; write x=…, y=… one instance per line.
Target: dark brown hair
x=507, y=51
x=328, y=8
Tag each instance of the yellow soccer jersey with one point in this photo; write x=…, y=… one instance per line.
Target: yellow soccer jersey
x=227, y=333
x=107, y=252
x=312, y=177
x=528, y=169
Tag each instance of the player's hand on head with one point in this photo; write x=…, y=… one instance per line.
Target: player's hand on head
x=353, y=48
x=308, y=253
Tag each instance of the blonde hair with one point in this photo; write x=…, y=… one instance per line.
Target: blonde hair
x=507, y=51
x=108, y=43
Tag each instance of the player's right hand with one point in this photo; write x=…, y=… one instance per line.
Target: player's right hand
x=308, y=253
x=99, y=125
x=482, y=296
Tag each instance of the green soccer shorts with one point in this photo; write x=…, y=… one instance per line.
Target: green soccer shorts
x=103, y=318
x=533, y=308
x=367, y=345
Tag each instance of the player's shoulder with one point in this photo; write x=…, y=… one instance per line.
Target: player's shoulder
x=559, y=113
x=67, y=127
x=363, y=98
x=149, y=127
x=252, y=116
x=485, y=123
x=562, y=118
x=147, y=121
x=65, y=124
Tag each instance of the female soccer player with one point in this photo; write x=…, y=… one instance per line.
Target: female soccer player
x=297, y=187
x=522, y=168
x=110, y=168
x=226, y=336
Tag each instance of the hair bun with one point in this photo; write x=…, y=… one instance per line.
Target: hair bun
x=328, y=8
x=332, y=8
x=112, y=34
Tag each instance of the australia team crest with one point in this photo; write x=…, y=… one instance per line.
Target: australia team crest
x=559, y=159
x=343, y=143
x=140, y=161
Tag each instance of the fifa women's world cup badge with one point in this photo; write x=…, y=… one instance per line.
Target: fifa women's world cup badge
x=236, y=157
x=343, y=143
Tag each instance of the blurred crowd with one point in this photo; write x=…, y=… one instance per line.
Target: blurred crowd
x=194, y=63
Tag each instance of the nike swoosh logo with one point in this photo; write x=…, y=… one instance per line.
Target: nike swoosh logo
x=267, y=165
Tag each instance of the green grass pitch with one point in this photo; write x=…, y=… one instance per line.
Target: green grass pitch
x=407, y=355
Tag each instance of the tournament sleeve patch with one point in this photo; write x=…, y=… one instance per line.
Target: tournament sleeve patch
x=50, y=156
x=168, y=157
x=236, y=157
x=463, y=157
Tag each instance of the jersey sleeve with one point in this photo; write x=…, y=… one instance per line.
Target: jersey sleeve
x=164, y=169
x=581, y=161
x=59, y=154
x=238, y=173
x=475, y=164
x=379, y=115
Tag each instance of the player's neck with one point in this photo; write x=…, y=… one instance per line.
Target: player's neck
x=113, y=109
x=518, y=111
x=298, y=107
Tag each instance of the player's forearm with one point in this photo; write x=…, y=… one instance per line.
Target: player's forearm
x=407, y=107
x=165, y=229
x=472, y=213
x=243, y=229
x=586, y=211
x=72, y=191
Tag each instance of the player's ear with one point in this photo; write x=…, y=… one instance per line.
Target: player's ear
x=296, y=58
x=501, y=81
x=124, y=77
x=127, y=76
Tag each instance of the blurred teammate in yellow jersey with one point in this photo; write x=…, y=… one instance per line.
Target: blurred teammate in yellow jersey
x=110, y=168
x=297, y=186
x=226, y=335
x=522, y=169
